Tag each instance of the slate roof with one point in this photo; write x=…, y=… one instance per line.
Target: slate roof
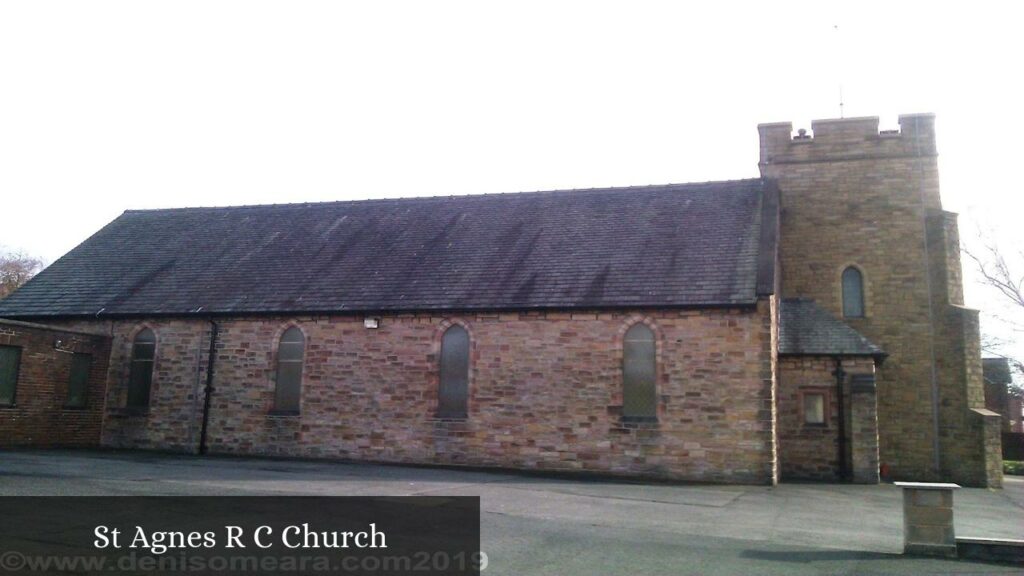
x=806, y=329
x=673, y=245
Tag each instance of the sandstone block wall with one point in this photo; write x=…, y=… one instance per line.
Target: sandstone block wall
x=863, y=427
x=545, y=392
x=811, y=452
x=39, y=416
x=967, y=453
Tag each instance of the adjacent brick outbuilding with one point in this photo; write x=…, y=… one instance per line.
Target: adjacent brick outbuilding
x=44, y=412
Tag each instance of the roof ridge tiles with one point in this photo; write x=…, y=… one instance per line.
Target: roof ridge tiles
x=438, y=197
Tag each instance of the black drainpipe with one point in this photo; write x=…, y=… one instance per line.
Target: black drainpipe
x=840, y=375
x=208, y=392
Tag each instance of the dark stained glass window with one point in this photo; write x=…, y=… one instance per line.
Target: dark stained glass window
x=453, y=395
x=853, y=293
x=10, y=361
x=141, y=378
x=78, y=382
x=290, y=353
x=639, y=396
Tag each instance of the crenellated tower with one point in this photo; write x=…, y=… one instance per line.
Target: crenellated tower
x=856, y=198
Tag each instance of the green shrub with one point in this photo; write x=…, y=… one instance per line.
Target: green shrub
x=1014, y=467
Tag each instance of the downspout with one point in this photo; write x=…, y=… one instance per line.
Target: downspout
x=208, y=392
x=197, y=386
x=840, y=375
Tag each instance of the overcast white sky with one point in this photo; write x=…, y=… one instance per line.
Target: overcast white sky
x=106, y=106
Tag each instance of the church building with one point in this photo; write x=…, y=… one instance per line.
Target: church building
x=804, y=325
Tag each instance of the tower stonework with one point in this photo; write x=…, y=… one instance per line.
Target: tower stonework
x=853, y=196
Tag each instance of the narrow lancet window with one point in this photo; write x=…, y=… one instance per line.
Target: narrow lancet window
x=853, y=293
x=639, y=396
x=140, y=380
x=290, y=352
x=453, y=392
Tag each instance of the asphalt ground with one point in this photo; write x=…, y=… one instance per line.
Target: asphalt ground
x=539, y=525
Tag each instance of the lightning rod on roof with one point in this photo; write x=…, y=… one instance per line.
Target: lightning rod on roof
x=840, y=68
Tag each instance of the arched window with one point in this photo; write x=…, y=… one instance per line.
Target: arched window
x=853, y=293
x=141, y=377
x=639, y=396
x=290, y=351
x=453, y=392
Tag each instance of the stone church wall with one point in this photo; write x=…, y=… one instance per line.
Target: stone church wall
x=545, y=392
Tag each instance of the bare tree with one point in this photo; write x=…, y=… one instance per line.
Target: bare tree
x=16, y=268
x=995, y=273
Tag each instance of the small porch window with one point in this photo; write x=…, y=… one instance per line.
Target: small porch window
x=814, y=408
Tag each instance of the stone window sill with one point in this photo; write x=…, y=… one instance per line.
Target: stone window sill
x=638, y=422
x=8, y=406
x=639, y=419
x=283, y=414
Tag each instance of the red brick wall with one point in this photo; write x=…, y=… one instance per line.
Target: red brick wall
x=39, y=417
x=545, y=392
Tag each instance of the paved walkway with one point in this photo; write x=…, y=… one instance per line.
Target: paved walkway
x=534, y=525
